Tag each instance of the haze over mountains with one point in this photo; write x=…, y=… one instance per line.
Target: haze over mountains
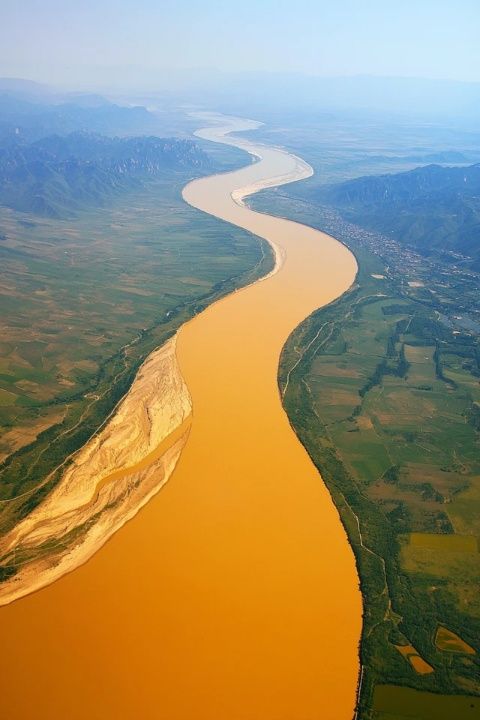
x=280, y=92
x=272, y=92
x=30, y=111
x=54, y=161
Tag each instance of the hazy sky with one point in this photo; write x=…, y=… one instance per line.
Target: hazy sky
x=78, y=41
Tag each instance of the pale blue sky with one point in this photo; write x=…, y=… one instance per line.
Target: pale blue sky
x=73, y=41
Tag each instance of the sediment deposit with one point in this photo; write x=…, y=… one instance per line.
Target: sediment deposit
x=234, y=593
x=108, y=480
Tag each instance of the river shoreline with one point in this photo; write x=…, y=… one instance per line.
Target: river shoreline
x=110, y=479
x=78, y=497
x=258, y=610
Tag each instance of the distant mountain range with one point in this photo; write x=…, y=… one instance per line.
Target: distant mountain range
x=57, y=175
x=61, y=151
x=30, y=111
x=24, y=121
x=263, y=94
x=432, y=208
x=445, y=156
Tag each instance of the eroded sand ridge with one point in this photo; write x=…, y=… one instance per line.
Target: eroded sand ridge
x=233, y=595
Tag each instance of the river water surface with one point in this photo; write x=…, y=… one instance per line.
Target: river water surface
x=233, y=595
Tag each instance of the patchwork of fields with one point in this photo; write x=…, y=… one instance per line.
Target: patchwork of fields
x=399, y=431
x=84, y=301
x=381, y=388
x=384, y=396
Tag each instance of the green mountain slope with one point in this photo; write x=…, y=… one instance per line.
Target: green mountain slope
x=56, y=176
x=432, y=208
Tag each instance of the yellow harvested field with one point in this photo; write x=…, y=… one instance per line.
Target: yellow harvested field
x=364, y=423
x=419, y=665
x=406, y=650
x=416, y=661
x=449, y=641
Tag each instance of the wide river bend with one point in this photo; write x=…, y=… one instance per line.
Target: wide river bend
x=233, y=595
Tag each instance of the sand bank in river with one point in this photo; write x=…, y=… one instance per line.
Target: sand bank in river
x=233, y=594
x=108, y=481
x=126, y=463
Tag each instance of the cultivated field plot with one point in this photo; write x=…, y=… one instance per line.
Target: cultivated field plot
x=389, y=415
x=84, y=301
x=400, y=703
x=384, y=392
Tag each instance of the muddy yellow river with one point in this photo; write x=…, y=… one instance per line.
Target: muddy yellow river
x=233, y=594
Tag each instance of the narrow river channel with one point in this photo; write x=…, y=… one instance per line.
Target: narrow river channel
x=233, y=595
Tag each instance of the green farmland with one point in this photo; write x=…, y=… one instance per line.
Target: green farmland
x=385, y=399
x=84, y=301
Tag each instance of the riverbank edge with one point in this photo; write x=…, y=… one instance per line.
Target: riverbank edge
x=84, y=505
x=62, y=506
x=239, y=197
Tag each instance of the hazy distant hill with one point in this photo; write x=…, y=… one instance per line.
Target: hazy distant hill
x=30, y=111
x=445, y=156
x=260, y=94
x=432, y=207
x=24, y=121
x=20, y=87
x=57, y=175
